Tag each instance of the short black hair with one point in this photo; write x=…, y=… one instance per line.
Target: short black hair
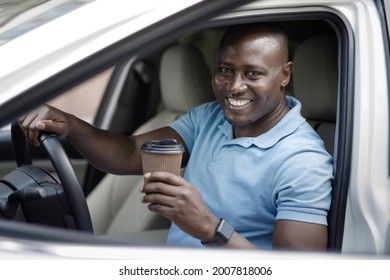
x=238, y=31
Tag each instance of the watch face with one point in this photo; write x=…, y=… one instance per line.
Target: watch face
x=225, y=230
x=222, y=235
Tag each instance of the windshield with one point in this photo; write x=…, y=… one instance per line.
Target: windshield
x=19, y=16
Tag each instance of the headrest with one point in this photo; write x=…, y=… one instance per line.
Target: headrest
x=185, y=79
x=315, y=77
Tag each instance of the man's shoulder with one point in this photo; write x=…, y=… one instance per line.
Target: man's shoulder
x=207, y=110
x=208, y=106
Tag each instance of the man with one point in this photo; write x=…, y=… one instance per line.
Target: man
x=257, y=174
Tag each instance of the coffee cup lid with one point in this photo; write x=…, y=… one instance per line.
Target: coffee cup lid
x=169, y=146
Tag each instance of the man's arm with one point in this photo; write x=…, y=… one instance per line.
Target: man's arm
x=109, y=151
x=294, y=235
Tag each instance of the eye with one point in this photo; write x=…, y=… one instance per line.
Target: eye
x=252, y=74
x=224, y=71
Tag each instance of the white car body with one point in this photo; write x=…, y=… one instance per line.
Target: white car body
x=58, y=44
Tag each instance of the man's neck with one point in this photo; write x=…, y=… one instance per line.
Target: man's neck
x=264, y=125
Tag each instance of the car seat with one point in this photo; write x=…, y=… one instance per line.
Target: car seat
x=115, y=204
x=315, y=84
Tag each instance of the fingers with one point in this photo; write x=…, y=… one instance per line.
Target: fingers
x=160, y=203
x=163, y=183
x=28, y=124
x=176, y=199
x=165, y=177
x=163, y=189
x=45, y=118
x=167, y=200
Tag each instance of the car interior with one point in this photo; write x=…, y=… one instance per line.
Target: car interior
x=153, y=90
x=185, y=83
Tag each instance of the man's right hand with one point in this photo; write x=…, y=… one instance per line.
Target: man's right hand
x=45, y=118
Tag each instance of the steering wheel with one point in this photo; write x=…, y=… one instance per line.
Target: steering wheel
x=69, y=181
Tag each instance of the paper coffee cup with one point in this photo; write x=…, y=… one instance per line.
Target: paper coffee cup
x=162, y=155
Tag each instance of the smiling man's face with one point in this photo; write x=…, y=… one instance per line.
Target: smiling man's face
x=249, y=80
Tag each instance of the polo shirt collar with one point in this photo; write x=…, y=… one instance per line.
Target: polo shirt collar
x=289, y=123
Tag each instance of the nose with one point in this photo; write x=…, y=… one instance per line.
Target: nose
x=237, y=85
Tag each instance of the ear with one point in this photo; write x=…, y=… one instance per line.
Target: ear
x=286, y=74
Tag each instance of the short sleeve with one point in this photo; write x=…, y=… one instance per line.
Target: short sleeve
x=191, y=123
x=303, y=185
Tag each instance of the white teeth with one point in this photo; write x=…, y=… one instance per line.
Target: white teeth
x=238, y=102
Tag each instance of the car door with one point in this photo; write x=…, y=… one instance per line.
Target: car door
x=386, y=9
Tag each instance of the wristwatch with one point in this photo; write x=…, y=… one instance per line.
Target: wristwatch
x=223, y=233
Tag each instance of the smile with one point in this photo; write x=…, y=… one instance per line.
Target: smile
x=238, y=102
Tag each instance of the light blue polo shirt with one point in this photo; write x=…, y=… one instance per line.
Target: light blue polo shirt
x=285, y=173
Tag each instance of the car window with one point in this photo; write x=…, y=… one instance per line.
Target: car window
x=84, y=99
